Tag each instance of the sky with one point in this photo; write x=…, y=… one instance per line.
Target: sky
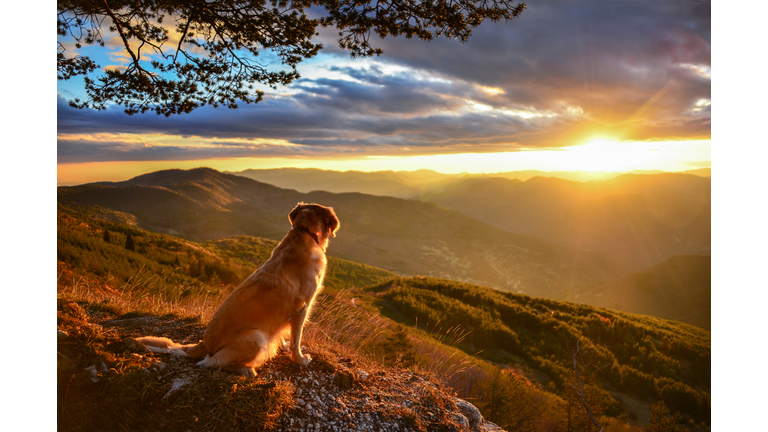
x=591, y=85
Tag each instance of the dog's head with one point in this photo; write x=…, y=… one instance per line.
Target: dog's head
x=319, y=219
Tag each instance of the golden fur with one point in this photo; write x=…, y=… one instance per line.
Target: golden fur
x=248, y=327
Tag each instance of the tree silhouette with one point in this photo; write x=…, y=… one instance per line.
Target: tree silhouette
x=185, y=54
x=662, y=420
x=107, y=236
x=510, y=402
x=589, y=369
x=129, y=243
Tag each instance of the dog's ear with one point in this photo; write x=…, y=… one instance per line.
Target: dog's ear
x=332, y=222
x=292, y=215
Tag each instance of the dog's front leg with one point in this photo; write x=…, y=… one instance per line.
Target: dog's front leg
x=297, y=327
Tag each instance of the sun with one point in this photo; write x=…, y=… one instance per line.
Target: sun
x=604, y=154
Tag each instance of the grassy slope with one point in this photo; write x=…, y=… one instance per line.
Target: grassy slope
x=187, y=267
x=647, y=358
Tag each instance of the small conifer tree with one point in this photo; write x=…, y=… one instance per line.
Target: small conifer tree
x=107, y=236
x=662, y=420
x=129, y=243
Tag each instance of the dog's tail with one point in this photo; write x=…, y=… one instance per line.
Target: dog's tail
x=165, y=345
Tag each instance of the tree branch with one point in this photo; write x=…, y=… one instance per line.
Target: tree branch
x=120, y=32
x=580, y=390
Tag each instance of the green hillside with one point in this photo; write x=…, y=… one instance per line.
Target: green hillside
x=639, y=356
x=174, y=267
x=406, y=237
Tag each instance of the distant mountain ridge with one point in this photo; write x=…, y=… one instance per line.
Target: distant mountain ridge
x=406, y=184
x=679, y=289
x=404, y=236
x=643, y=219
x=398, y=184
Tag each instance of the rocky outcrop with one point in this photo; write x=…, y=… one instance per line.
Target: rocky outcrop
x=335, y=392
x=474, y=420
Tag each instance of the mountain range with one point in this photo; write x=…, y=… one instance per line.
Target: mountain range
x=404, y=236
x=643, y=219
x=584, y=242
x=406, y=184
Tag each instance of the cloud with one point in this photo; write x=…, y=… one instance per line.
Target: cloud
x=608, y=57
x=563, y=72
x=75, y=151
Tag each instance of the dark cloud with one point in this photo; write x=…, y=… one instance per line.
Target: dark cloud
x=77, y=151
x=607, y=57
x=378, y=96
x=569, y=70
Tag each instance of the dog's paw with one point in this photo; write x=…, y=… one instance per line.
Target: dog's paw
x=248, y=372
x=286, y=346
x=303, y=360
x=245, y=371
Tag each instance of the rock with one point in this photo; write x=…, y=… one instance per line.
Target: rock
x=461, y=420
x=490, y=427
x=92, y=373
x=475, y=420
x=471, y=413
x=177, y=385
x=362, y=374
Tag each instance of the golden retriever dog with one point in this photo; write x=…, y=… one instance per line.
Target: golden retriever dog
x=249, y=326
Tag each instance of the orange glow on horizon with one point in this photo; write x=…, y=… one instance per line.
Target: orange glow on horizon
x=599, y=155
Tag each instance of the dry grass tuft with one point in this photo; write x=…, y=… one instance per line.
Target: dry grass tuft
x=444, y=360
x=337, y=324
x=147, y=293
